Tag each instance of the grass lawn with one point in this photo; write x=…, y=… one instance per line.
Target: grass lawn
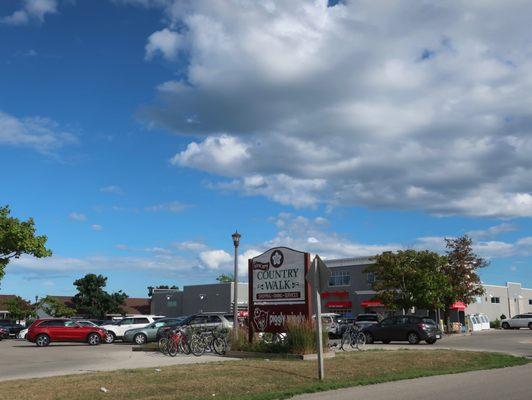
x=254, y=379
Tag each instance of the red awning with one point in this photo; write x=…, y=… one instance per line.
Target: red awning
x=458, y=306
x=339, y=304
x=371, y=303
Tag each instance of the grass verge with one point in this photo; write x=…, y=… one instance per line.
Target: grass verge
x=255, y=379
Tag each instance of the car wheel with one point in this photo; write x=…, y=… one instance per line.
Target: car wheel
x=140, y=338
x=94, y=339
x=505, y=325
x=110, y=337
x=387, y=341
x=413, y=338
x=42, y=340
x=430, y=341
x=369, y=338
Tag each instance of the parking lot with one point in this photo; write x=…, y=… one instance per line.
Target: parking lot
x=515, y=342
x=20, y=359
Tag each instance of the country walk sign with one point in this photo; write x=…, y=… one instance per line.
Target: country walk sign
x=278, y=291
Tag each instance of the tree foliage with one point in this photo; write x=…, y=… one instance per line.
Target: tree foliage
x=152, y=288
x=409, y=278
x=463, y=281
x=225, y=278
x=56, y=308
x=19, y=308
x=93, y=300
x=17, y=238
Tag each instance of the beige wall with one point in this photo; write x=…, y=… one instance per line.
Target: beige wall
x=513, y=300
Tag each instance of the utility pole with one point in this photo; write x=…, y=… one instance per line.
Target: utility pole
x=236, y=241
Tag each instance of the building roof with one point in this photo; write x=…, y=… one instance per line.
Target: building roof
x=348, y=262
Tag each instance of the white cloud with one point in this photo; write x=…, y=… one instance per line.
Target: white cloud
x=41, y=134
x=32, y=10
x=164, y=42
x=214, y=259
x=96, y=227
x=173, y=206
x=493, y=230
x=113, y=189
x=410, y=106
x=77, y=216
x=191, y=245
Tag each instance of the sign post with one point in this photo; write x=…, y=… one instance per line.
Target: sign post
x=318, y=277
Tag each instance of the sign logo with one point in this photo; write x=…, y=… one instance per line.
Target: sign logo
x=261, y=319
x=277, y=258
x=261, y=266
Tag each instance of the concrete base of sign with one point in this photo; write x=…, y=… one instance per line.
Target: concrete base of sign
x=304, y=357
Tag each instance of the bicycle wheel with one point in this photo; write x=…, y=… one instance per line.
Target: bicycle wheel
x=360, y=341
x=196, y=346
x=219, y=345
x=172, y=348
x=346, y=340
x=184, y=347
x=163, y=345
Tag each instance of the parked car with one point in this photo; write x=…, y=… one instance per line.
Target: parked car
x=518, y=321
x=117, y=330
x=403, y=328
x=4, y=333
x=11, y=327
x=330, y=324
x=23, y=333
x=44, y=331
x=149, y=332
x=208, y=321
x=363, y=320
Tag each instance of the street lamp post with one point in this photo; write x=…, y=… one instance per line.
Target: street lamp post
x=236, y=241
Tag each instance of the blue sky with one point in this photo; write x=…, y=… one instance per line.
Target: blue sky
x=140, y=134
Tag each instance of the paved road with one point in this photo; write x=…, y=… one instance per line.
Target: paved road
x=20, y=359
x=508, y=384
x=515, y=342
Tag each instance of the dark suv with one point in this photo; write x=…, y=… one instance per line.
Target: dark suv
x=408, y=328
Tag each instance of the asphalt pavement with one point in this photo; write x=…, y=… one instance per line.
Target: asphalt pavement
x=20, y=359
x=507, y=383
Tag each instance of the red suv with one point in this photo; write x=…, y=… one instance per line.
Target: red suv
x=44, y=331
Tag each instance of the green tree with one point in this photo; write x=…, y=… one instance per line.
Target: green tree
x=93, y=300
x=56, y=308
x=225, y=278
x=17, y=238
x=409, y=278
x=151, y=288
x=463, y=281
x=19, y=308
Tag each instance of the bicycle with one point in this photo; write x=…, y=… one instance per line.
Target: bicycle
x=353, y=337
x=175, y=342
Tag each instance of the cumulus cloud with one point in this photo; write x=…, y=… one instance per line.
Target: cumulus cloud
x=213, y=259
x=113, y=189
x=164, y=42
x=96, y=227
x=405, y=106
x=77, y=216
x=38, y=133
x=32, y=10
x=173, y=206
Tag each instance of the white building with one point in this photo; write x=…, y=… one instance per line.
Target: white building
x=509, y=300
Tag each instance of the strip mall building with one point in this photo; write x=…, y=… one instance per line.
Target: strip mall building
x=350, y=292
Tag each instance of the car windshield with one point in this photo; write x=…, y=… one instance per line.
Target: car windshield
x=428, y=321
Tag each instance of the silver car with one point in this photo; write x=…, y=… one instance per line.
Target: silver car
x=518, y=321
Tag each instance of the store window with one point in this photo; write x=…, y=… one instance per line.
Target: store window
x=496, y=300
x=339, y=278
x=530, y=302
x=371, y=278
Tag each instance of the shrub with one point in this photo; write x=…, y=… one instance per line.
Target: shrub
x=300, y=339
x=495, y=324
